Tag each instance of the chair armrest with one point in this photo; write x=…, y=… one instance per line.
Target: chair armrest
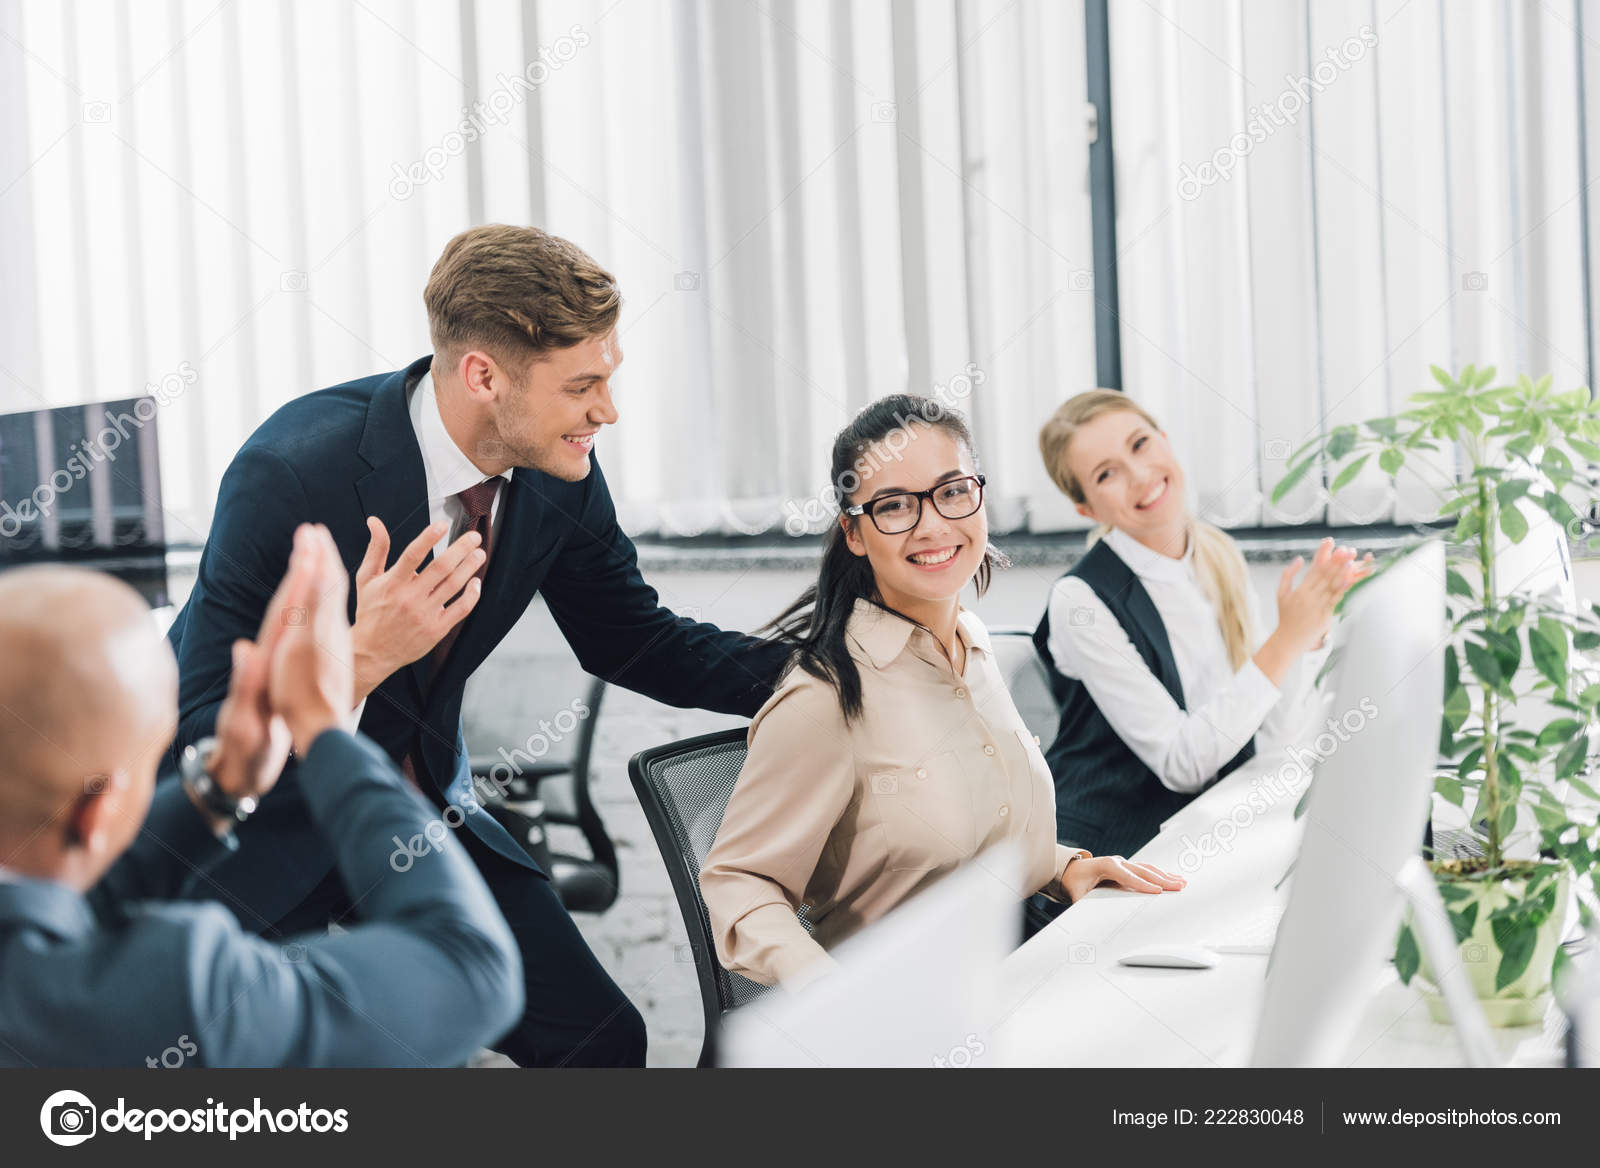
x=491, y=769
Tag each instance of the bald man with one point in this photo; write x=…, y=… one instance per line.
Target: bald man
x=94, y=970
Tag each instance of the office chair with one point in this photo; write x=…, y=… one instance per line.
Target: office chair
x=552, y=789
x=1025, y=676
x=684, y=788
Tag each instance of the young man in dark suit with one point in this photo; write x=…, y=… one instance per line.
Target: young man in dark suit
x=480, y=457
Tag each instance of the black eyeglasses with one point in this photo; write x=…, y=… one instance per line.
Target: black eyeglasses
x=902, y=511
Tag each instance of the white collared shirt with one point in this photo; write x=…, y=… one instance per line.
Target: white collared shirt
x=1184, y=748
x=447, y=470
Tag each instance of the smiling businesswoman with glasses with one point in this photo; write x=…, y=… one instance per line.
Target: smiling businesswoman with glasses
x=891, y=752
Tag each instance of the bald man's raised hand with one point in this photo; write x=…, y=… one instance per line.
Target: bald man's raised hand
x=310, y=684
x=252, y=739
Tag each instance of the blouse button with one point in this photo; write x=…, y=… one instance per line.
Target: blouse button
x=1005, y=809
x=1036, y=740
x=988, y=749
x=960, y=693
x=921, y=773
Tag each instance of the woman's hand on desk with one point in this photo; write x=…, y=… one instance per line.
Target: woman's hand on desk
x=1082, y=876
x=1305, y=610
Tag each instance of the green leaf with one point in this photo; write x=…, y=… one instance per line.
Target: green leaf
x=1484, y=663
x=1513, y=524
x=1441, y=377
x=1450, y=790
x=1456, y=584
x=1516, y=942
x=1407, y=957
x=1348, y=474
x=1341, y=441
x=1511, y=490
x=1586, y=641
x=1588, y=449
x=1572, y=757
x=1559, y=731
x=1465, y=921
x=1391, y=460
x=1291, y=479
x=1507, y=646
x=1547, y=642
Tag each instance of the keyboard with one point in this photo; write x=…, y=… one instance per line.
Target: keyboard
x=1254, y=933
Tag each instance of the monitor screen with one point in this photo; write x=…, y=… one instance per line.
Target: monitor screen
x=82, y=484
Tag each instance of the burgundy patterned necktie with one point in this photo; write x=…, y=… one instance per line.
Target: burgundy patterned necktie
x=477, y=504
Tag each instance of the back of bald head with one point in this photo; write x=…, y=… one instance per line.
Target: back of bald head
x=86, y=682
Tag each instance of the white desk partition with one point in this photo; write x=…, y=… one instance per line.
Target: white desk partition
x=1064, y=1000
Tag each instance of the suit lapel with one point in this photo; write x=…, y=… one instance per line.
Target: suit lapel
x=395, y=489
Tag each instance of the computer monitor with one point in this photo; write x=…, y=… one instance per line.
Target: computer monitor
x=915, y=989
x=82, y=484
x=1364, y=820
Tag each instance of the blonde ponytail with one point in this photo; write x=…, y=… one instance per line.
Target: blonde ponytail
x=1219, y=565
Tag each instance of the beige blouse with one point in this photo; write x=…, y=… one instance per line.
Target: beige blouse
x=852, y=820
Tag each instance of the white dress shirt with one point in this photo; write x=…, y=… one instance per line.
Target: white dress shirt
x=1184, y=748
x=447, y=470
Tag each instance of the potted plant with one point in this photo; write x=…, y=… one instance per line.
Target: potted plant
x=1512, y=653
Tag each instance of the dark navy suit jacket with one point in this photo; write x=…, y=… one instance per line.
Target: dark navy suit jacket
x=339, y=455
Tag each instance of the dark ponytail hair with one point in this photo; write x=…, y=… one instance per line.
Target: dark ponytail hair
x=815, y=623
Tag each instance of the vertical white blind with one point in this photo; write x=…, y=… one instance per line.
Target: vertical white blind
x=1425, y=205
x=808, y=205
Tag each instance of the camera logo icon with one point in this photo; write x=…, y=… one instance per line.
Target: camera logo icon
x=883, y=111
x=1081, y=281
x=1474, y=282
x=686, y=281
x=1277, y=450
x=67, y=1118
x=96, y=112
x=295, y=281
x=1081, y=617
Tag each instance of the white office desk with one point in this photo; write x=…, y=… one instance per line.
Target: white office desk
x=1063, y=1000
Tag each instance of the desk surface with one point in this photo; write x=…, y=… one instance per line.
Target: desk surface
x=1063, y=999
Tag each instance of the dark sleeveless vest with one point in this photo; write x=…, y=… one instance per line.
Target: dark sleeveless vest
x=1107, y=800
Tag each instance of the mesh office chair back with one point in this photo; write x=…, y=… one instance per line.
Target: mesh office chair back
x=1029, y=683
x=684, y=788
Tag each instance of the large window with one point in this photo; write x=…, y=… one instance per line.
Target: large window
x=809, y=204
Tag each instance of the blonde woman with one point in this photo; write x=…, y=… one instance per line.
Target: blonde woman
x=891, y=753
x=1152, y=641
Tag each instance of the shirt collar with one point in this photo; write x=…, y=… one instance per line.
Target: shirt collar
x=45, y=904
x=883, y=635
x=448, y=470
x=1148, y=562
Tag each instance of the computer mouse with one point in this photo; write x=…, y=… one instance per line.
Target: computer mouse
x=1172, y=957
